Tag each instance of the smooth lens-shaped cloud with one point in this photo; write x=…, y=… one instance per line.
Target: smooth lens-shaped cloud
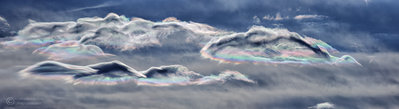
x=111, y=33
x=70, y=50
x=118, y=34
x=115, y=72
x=264, y=45
x=114, y=32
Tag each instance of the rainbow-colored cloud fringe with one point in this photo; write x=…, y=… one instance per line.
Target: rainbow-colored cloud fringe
x=114, y=32
x=88, y=37
x=115, y=72
x=270, y=46
x=70, y=50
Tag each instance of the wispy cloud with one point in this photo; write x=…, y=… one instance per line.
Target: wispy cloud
x=256, y=19
x=4, y=27
x=277, y=17
x=103, y=5
x=301, y=17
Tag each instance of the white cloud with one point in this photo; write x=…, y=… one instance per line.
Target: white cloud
x=256, y=19
x=265, y=45
x=103, y=5
x=117, y=33
x=279, y=17
x=325, y=105
x=3, y=20
x=301, y=17
x=115, y=72
x=4, y=27
x=276, y=17
x=70, y=50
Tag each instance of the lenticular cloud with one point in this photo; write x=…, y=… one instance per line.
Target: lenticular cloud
x=114, y=33
x=264, y=45
x=95, y=37
x=115, y=72
x=70, y=50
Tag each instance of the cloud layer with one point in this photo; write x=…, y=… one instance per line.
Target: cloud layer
x=354, y=27
x=90, y=37
x=112, y=33
x=115, y=72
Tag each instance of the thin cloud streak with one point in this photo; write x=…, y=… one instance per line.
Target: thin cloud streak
x=107, y=4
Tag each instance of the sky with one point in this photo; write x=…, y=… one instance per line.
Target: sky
x=88, y=53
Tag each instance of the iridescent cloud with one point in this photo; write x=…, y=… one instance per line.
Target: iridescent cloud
x=114, y=32
x=115, y=72
x=90, y=36
x=70, y=50
x=264, y=45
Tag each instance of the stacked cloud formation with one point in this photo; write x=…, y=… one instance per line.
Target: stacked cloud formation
x=115, y=33
x=89, y=37
x=111, y=73
x=264, y=45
